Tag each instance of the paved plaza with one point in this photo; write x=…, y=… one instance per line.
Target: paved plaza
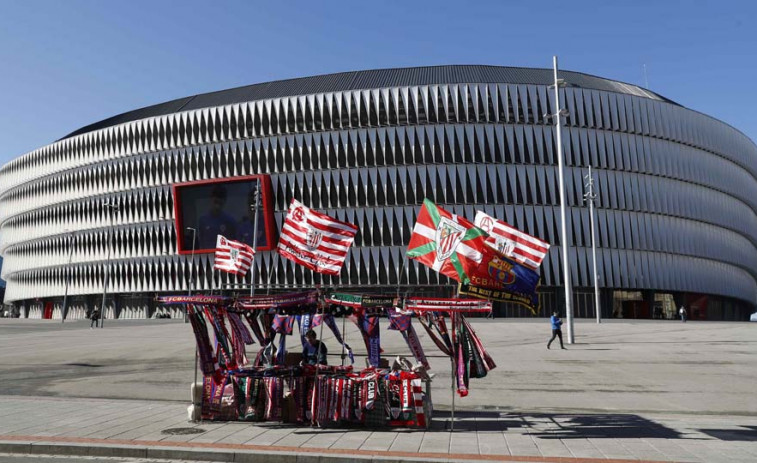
x=627, y=390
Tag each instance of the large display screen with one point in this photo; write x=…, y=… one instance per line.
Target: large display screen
x=208, y=208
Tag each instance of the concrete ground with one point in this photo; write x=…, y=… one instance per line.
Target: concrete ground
x=660, y=390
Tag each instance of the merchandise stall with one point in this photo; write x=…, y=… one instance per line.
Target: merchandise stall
x=249, y=374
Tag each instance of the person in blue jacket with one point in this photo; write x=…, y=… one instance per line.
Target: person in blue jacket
x=556, y=331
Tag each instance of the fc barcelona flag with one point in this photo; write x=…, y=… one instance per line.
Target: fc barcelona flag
x=453, y=246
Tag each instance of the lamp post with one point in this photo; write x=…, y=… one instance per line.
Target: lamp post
x=590, y=196
x=254, y=237
x=106, y=273
x=190, y=284
x=557, y=116
x=68, y=276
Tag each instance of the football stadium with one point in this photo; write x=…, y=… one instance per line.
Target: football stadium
x=131, y=206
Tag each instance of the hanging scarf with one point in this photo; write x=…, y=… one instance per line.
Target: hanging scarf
x=208, y=362
x=236, y=323
x=283, y=323
x=306, y=324
x=222, y=338
x=239, y=334
x=331, y=323
x=429, y=325
x=281, y=354
x=274, y=397
x=252, y=320
x=460, y=359
x=403, y=323
x=482, y=360
x=420, y=415
x=370, y=325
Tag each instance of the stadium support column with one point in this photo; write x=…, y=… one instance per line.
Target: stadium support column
x=64, y=311
x=564, y=243
x=106, y=271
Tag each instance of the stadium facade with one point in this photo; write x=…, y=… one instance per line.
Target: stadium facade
x=677, y=189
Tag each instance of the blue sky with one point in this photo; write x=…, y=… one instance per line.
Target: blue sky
x=66, y=64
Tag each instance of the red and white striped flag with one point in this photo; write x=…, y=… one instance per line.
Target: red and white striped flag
x=513, y=243
x=233, y=256
x=315, y=240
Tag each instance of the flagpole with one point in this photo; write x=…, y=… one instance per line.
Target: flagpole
x=563, y=228
x=254, y=239
x=591, y=196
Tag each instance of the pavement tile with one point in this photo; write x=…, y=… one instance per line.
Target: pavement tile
x=351, y=440
x=490, y=443
x=407, y=442
x=379, y=440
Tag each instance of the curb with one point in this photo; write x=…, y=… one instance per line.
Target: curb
x=251, y=454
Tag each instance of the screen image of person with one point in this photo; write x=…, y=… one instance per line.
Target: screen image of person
x=216, y=221
x=246, y=227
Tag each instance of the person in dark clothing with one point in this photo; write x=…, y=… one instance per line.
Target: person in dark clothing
x=314, y=352
x=556, y=330
x=94, y=318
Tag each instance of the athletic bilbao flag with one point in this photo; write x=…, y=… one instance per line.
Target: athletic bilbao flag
x=233, y=256
x=447, y=243
x=513, y=243
x=315, y=240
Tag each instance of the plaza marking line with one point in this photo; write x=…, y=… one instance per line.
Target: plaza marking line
x=311, y=450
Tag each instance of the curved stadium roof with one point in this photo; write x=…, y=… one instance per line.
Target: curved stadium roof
x=377, y=78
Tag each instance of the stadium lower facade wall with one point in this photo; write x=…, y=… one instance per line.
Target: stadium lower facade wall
x=676, y=207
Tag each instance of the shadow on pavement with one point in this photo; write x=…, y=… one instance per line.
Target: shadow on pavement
x=558, y=425
x=747, y=433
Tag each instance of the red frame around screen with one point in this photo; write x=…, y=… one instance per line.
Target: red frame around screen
x=265, y=188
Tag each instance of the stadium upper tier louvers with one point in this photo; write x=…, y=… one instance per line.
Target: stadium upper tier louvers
x=677, y=189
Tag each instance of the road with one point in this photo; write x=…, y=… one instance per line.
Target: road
x=701, y=368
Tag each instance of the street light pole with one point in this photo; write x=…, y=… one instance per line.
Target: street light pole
x=563, y=228
x=590, y=196
x=254, y=238
x=68, y=277
x=106, y=272
x=190, y=284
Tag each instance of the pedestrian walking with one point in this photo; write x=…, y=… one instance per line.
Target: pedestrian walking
x=682, y=313
x=556, y=330
x=94, y=318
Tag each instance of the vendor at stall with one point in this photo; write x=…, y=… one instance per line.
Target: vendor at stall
x=314, y=352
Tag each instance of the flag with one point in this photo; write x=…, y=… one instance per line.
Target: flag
x=233, y=256
x=513, y=243
x=315, y=240
x=447, y=243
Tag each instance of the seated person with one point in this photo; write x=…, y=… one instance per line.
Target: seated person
x=314, y=352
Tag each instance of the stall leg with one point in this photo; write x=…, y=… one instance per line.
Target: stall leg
x=344, y=336
x=452, y=388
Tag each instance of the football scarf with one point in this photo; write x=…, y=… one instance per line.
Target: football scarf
x=236, y=323
x=252, y=320
x=370, y=325
x=224, y=353
x=208, y=361
x=331, y=323
x=283, y=324
x=420, y=415
x=403, y=323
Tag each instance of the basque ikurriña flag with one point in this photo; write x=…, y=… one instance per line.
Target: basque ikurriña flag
x=233, y=256
x=447, y=243
x=315, y=240
x=513, y=243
